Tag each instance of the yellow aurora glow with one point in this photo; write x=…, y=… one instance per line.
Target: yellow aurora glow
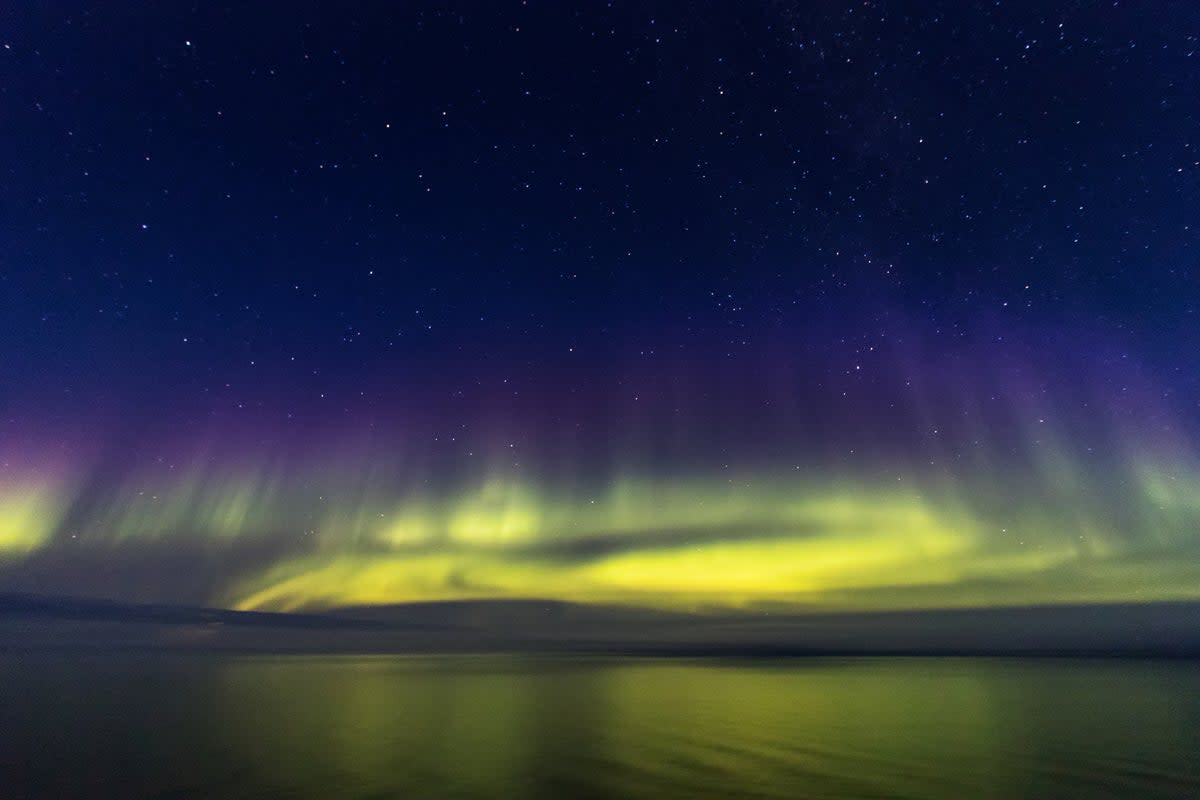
x=662, y=542
x=30, y=511
x=717, y=544
x=651, y=544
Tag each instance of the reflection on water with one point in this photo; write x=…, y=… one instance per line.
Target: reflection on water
x=521, y=727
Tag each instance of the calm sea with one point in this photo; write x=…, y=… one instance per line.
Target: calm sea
x=517, y=727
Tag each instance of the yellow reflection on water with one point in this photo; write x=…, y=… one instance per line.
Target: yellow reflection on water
x=520, y=727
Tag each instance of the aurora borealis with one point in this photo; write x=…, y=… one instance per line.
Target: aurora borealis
x=956, y=511
x=807, y=309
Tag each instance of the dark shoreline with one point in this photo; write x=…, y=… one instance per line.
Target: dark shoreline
x=33, y=623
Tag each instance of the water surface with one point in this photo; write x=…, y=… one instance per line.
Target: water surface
x=385, y=726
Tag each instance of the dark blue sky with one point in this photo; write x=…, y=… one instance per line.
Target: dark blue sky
x=264, y=260
x=422, y=189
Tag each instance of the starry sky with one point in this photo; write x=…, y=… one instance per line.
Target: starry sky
x=808, y=305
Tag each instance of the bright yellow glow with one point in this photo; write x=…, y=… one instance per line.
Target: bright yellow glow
x=411, y=526
x=750, y=549
x=706, y=543
x=28, y=516
x=897, y=541
x=503, y=512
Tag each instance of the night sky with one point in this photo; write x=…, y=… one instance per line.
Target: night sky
x=824, y=305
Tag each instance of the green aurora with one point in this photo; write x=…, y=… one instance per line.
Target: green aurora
x=767, y=539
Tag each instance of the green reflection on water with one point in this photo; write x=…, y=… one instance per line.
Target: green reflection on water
x=520, y=727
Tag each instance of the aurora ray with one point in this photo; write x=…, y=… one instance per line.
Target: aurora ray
x=1081, y=512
